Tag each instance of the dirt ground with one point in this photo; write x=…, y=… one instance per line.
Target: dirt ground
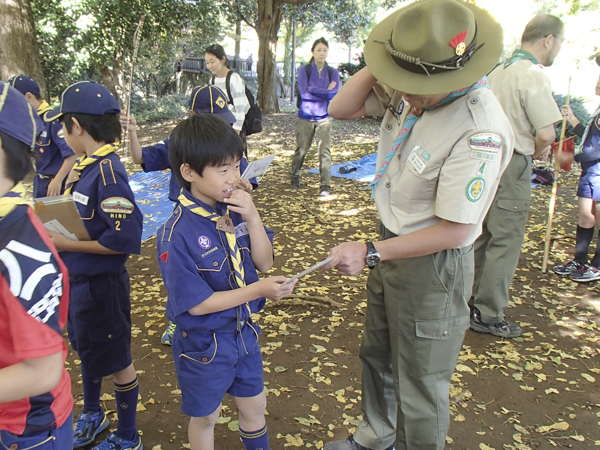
x=535, y=392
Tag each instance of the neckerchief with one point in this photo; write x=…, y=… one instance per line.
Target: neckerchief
x=519, y=55
x=85, y=161
x=234, y=248
x=412, y=118
x=16, y=196
x=43, y=108
x=593, y=117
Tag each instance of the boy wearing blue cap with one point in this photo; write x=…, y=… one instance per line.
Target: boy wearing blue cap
x=209, y=251
x=35, y=388
x=54, y=158
x=99, y=317
x=204, y=99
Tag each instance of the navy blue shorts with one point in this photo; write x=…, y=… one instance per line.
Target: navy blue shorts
x=99, y=322
x=210, y=364
x=589, y=182
x=57, y=439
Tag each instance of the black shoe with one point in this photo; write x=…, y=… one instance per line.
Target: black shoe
x=568, y=268
x=348, y=444
x=325, y=191
x=503, y=329
x=295, y=181
x=587, y=273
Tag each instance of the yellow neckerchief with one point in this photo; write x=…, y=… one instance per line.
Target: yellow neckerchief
x=85, y=161
x=16, y=196
x=234, y=248
x=43, y=108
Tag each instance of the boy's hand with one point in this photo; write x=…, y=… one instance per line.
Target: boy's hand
x=54, y=187
x=59, y=241
x=273, y=287
x=131, y=125
x=241, y=202
x=244, y=185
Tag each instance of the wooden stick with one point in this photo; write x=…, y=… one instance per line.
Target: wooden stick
x=555, y=185
x=136, y=44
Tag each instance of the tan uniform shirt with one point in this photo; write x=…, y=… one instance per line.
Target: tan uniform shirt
x=525, y=93
x=448, y=167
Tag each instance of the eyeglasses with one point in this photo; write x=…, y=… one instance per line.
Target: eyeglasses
x=562, y=39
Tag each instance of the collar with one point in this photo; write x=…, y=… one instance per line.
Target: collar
x=43, y=108
x=519, y=55
x=219, y=208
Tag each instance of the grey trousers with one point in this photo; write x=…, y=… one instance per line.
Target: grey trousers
x=320, y=130
x=417, y=315
x=498, y=248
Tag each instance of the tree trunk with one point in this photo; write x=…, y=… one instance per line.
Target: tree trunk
x=238, y=39
x=269, y=19
x=19, y=51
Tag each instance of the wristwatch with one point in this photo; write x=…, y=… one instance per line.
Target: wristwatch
x=372, y=258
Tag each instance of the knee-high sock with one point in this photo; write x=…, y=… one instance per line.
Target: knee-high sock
x=596, y=258
x=583, y=237
x=92, y=388
x=255, y=440
x=126, y=396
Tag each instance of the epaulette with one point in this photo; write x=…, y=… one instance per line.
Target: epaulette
x=108, y=175
x=167, y=228
x=44, y=116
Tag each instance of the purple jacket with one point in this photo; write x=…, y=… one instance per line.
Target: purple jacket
x=314, y=93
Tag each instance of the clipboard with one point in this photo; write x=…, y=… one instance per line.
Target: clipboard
x=309, y=270
x=258, y=167
x=60, y=214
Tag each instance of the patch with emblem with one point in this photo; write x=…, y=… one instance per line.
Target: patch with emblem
x=401, y=107
x=60, y=134
x=484, y=156
x=117, y=205
x=485, y=142
x=43, y=134
x=425, y=154
x=220, y=102
x=204, y=242
x=475, y=189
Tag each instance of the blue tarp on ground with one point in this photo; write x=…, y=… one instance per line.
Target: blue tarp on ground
x=151, y=192
x=365, y=169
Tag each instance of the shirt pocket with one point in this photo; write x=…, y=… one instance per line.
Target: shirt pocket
x=416, y=185
x=213, y=268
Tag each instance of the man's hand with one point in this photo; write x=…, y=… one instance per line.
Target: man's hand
x=543, y=155
x=348, y=258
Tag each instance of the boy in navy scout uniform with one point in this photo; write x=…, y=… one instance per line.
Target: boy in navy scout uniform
x=204, y=99
x=35, y=389
x=99, y=317
x=54, y=158
x=434, y=184
x=209, y=251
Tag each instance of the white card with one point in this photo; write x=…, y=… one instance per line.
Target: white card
x=258, y=167
x=56, y=226
x=309, y=270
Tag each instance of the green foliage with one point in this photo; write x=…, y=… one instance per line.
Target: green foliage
x=152, y=110
x=577, y=104
x=348, y=69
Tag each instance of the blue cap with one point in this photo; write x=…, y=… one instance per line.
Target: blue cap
x=85, y=97
x=210, y=99
x=24, y=84
x=18, y=119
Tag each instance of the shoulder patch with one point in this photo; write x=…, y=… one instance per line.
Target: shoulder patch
x=475, y=189
x=60, y=133
x=108, y=175
x=486, y=142
x=117, y=205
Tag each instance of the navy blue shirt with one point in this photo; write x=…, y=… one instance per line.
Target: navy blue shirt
x=51, y=149
x=156, y=157
x=590, y=149
x=193, y=257
x=107, y=207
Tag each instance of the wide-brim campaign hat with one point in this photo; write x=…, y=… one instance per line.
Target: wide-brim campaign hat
x=24, y=84
x=210, y=99
x=434, y=46
x=85, y=97
x=18, y=119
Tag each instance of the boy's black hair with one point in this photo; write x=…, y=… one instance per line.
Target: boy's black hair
x=38, y=97
x=18, y=158
x=203, y=140
x=106, y=128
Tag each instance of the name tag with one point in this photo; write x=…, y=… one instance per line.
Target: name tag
x=80, y=198
x=415, y=160
x=241, y=230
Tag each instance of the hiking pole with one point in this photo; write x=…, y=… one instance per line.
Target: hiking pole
x=136, y=44
x=555, y=184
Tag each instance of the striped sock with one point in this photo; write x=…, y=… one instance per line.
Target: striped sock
x=255, y=440
x=126, y=396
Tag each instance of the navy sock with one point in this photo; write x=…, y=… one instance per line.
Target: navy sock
x=583, y=237
x=255, y=440
x=126, y=396
x=92, y=388
x=596, y=258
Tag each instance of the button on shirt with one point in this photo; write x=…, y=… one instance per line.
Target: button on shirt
x=194, y=261
x=107, y=207
x=448, y=167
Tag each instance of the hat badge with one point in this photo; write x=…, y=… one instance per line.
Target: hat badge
x=220, y=102
x=458, y=43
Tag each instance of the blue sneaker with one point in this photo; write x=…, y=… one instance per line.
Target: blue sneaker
x=89, y=425
x=167, y=336
x=114, y=442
